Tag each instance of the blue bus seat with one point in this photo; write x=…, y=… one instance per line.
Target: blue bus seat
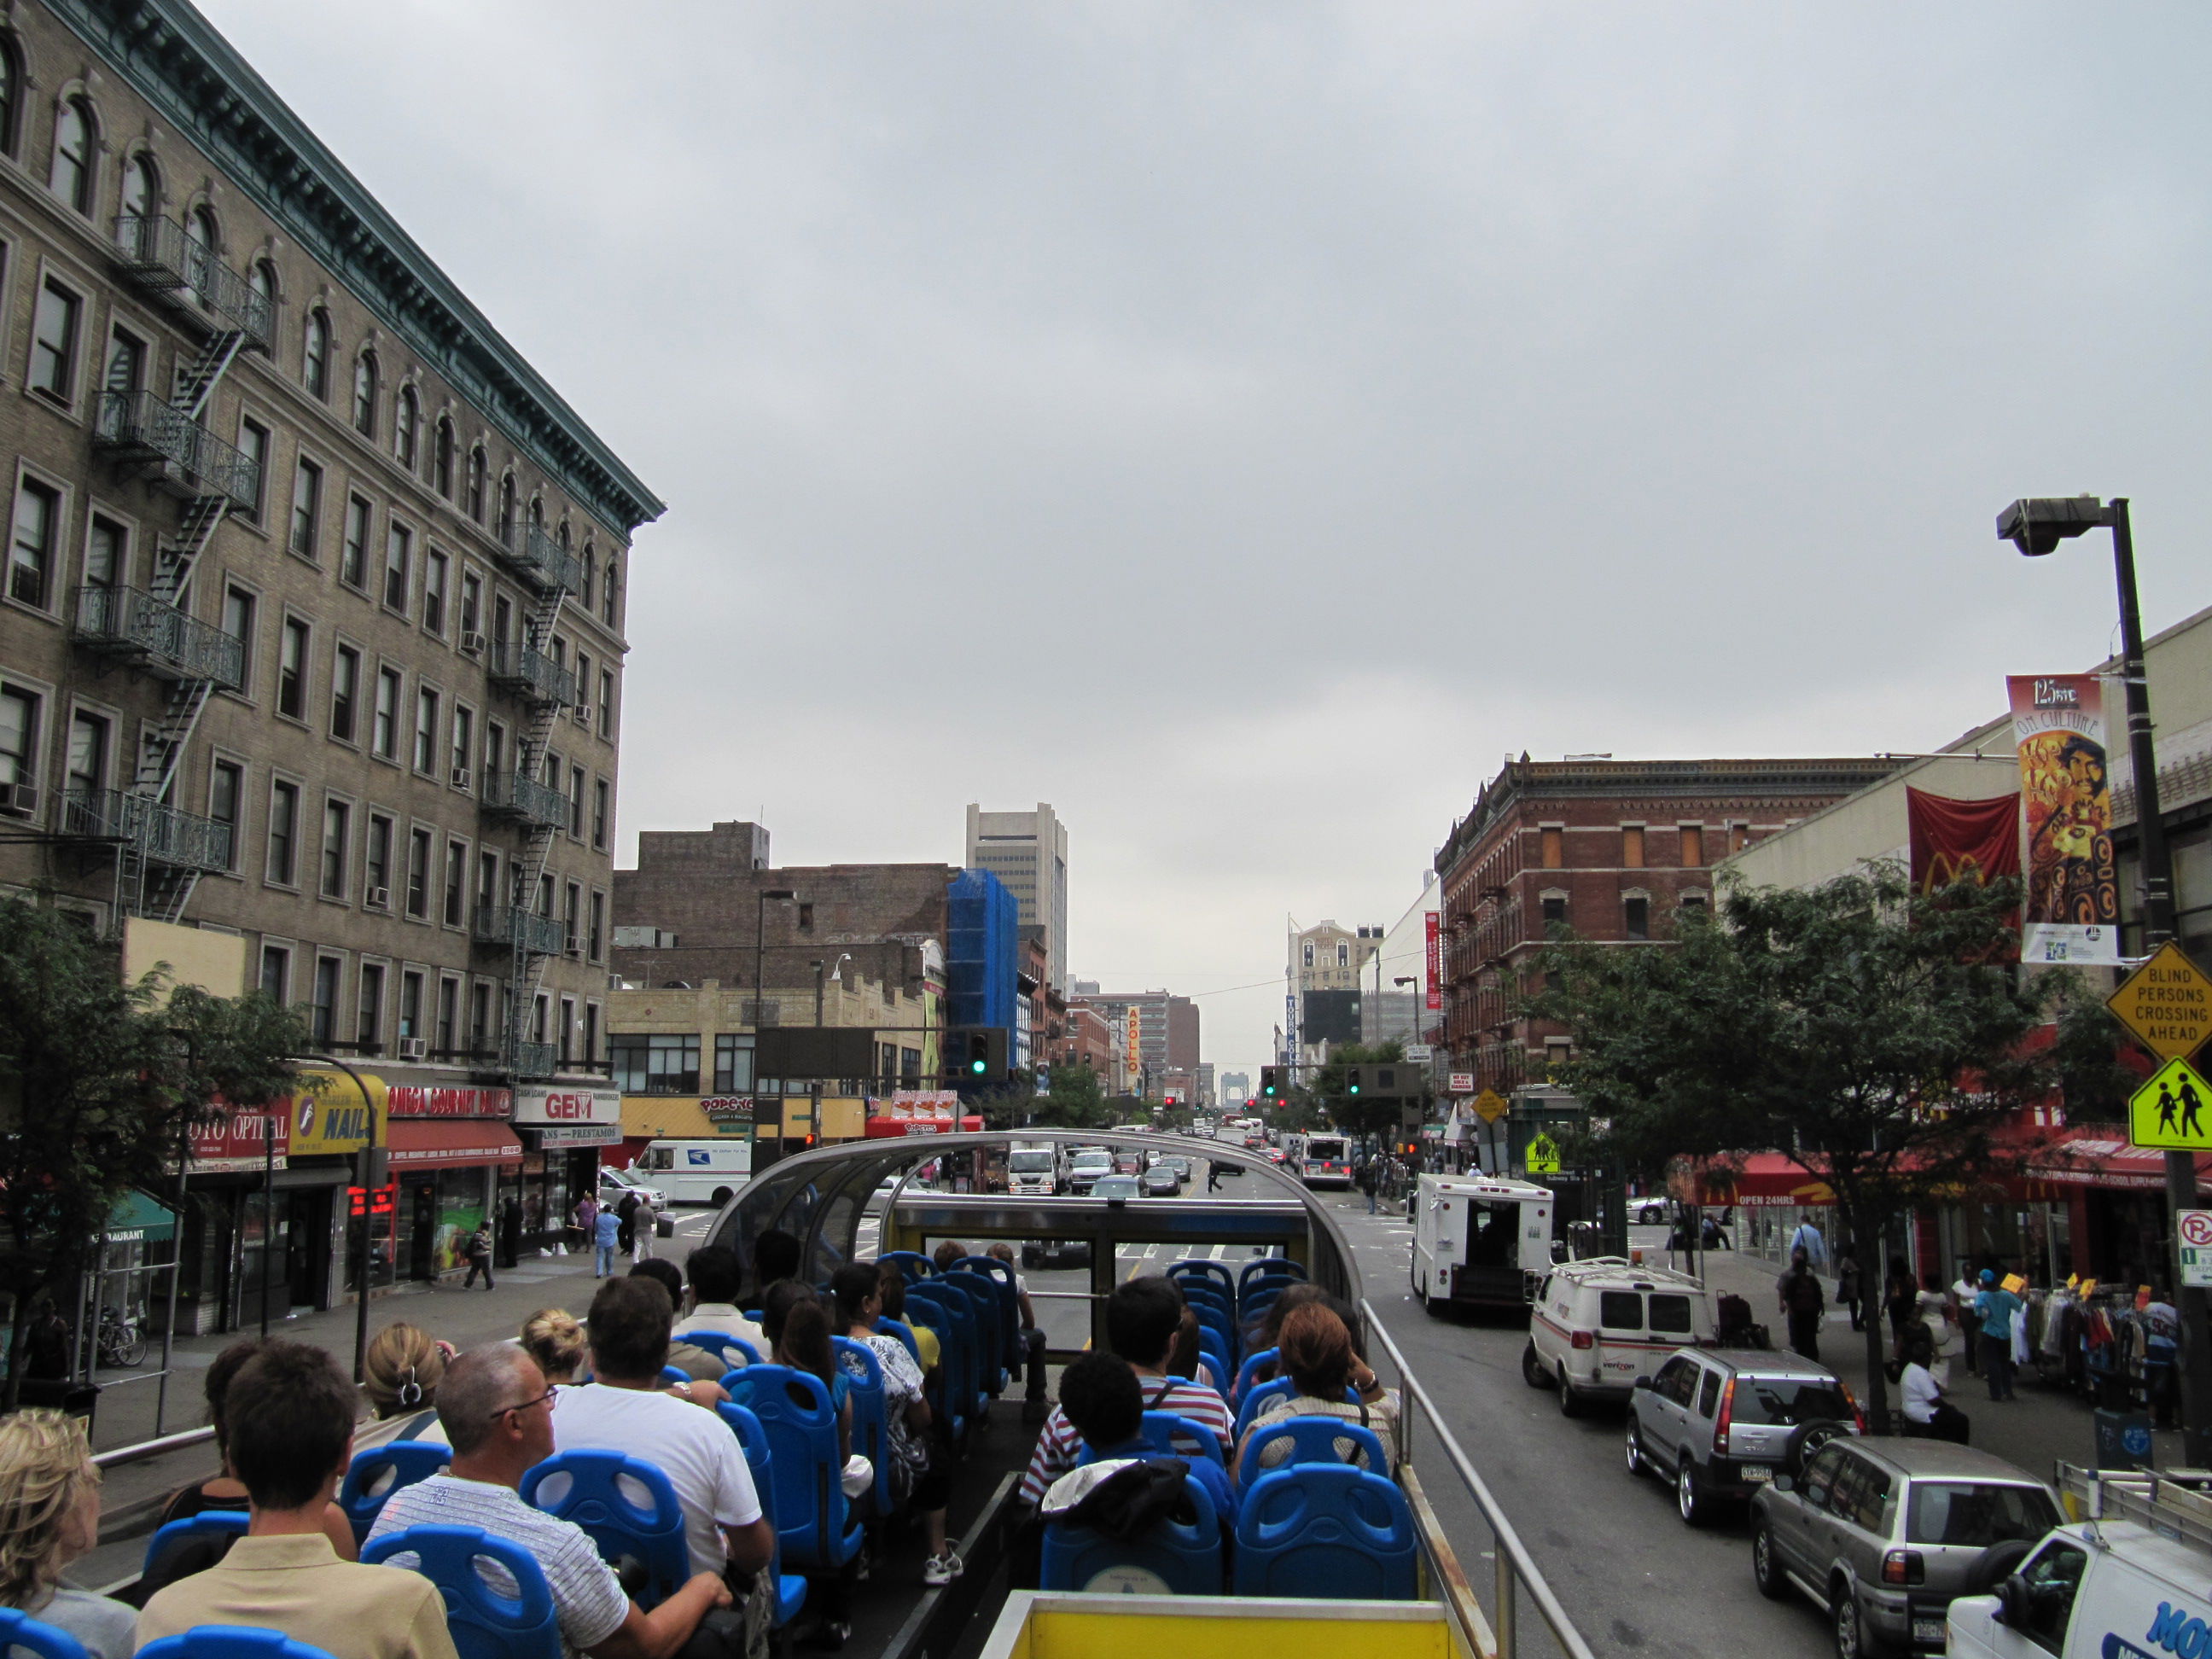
x=484, y=1623
x=957, y=1333
x=943, y=1388
x=208, y=1536
x=864, y=1381
x=1211, y=1344
x=1250, y=1371
x=19, y=1630
x=1312, y=1440
x=374, y=1475
x=989, y=1371
x=1276, y=1387
x=790, y=1587
x=231, y=1642
x=813, y=1520
x=914, y=1267
x=641, y=1519
x=672, y=1376
x=1007, y=1286
x=1172, y=1557
x=1208, y=1273
x=1326, y=1533
x=1267, y=1265
x=719, y=1344
x=1179, y=1436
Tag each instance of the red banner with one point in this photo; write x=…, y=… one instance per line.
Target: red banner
x=1435, y=920
x=1961, y=839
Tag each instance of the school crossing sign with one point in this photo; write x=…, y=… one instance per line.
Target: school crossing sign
x=2173, y=1112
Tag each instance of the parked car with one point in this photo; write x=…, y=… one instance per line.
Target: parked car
x=1160, y=1182
x=1720, y=1424
x=1884, y=1532
x=1600, y=1324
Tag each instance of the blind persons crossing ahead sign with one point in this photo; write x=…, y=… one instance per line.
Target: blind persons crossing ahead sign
x=2166, y=1003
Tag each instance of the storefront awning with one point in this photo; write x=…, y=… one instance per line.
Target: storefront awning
x=890, y=1128
x=2088, y=1159
x=137, y=1220
x=445, y=1143
x=1754, y=1180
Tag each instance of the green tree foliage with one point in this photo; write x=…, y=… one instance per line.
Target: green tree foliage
x=1878, y=1037
x=1356, y=1115
x=1074, y=1101
x=99, y=1082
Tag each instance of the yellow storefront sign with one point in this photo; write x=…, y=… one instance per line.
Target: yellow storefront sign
x=339, y=1115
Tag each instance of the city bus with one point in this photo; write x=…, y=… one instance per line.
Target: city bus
x=1321, y=1160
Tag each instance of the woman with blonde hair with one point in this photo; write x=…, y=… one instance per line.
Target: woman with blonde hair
x=49, y=1515
x=553, y=1338
x=402, y=1368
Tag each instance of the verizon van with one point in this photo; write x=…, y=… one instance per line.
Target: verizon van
x=1481, y=1241
x=694, y=1171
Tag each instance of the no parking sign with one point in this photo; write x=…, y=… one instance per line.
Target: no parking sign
x=2196, y=1226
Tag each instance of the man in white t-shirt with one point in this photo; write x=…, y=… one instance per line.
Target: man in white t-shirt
x=495, y=1407
x=715, y=1279
x=625, y=1411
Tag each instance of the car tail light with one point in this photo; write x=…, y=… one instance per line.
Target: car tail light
x=1858, y=1415
x=1721, y=1423
x=1582, y=1339
x=1903, y=1567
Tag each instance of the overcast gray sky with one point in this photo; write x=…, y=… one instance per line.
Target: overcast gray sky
x=1241, y=424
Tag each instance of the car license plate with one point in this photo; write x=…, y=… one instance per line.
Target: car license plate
x=1928, y=1629
x=1756, y=1473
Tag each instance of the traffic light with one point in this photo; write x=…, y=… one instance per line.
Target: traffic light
x=1270, y=1082
x=975, y=1056
x=1352, y=1081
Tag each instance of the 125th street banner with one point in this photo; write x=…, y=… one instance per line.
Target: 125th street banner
x=2071, y=908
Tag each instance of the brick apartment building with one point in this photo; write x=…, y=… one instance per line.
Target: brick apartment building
x=1167, y=1033
x=1613, y=850
x=1086, y=1039
x=311, y=632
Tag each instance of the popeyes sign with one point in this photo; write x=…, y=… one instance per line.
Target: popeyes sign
x=547, y=1105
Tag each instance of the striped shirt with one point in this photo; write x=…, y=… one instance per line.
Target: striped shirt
x=1061, y=1443
x=587, y=1598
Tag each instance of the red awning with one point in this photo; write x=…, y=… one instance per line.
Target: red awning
x=2089, y=1157
x=1756, y=1180
x=444, y=1144
x=887, y=1128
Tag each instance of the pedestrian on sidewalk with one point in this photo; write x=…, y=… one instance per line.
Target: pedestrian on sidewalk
x=1369, y=1181
x=1898, y=1303
x=1803, y=1303
x=642, y=1221
x=2161, y=1349
x=1963, y=1292
x=1807, y=1238
x=606, y=1232
x=626, y=1216
x=1936, y=1314
x=1847, y=1283
x=587, y=1218
x=476, y=1250
x=1994, y=1307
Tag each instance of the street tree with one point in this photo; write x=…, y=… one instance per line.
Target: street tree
x=1879, y=1036
x=1075, y=1101
x=1330, y=1086
x=101, y=1082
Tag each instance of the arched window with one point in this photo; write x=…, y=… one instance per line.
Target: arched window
x=537, y=514
x=442, y=459
x=261, y=277
x=209, y=234
x=141, y=187
x=11, y=93
x=1309, y=953
x=407, y=419
x=506, y=507
x=1343, y=954
x=70, y=177
x=591, y=572
x=316, y=367
x=607, y=595
x=476, y=469
x=364, y=394
x=561, y=536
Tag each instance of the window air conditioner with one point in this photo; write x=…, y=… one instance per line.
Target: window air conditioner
x=462, y=777
x=414, y=1048
x=472, y=642
x=19, y=800
x=379, y=898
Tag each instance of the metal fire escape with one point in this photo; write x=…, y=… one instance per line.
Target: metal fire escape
x=526, y=668
x=160, y=851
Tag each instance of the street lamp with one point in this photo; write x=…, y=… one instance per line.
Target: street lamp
x=2036, y=525
x=1413, y=980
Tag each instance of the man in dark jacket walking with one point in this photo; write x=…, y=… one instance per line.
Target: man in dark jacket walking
x=1803, y=1303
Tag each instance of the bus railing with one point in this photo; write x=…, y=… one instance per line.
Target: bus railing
x=1517, y=1569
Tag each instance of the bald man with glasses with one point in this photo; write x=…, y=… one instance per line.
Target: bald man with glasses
x=497, y=1411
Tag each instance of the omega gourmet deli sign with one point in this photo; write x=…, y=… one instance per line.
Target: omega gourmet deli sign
x=410, y=1100
x=555, y=1107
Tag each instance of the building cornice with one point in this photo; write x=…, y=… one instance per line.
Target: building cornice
x=178, y=61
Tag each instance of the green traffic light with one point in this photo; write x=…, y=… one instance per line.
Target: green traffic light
x=978, y=1066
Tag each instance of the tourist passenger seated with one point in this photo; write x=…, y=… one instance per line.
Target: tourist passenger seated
x=625, y=1409
x=696, y=1363
x=1189, y=1359
x=1103, y=1398
x=716, y=1279
x=226, y=1491
x=775, y=1256
x=291, y=1415
x=401, y=1371
x=928, y=1351
x=797, y=1326
x=1318, y=1356
x=498, y=1407
x=1142, y=1318
x=919, y=1468
x=949, y=1254
x=552, y=1337
x=49, y=1517
x=1033, y=1343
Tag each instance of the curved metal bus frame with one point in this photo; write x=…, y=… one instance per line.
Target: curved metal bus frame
x=822, y=1198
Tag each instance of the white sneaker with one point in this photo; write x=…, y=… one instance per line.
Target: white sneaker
x=940, y=1570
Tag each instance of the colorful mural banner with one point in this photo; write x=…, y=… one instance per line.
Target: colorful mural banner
x=1955, y=841
x=2071, y=908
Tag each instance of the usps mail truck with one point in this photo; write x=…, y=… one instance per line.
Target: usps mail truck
x=694, y=1171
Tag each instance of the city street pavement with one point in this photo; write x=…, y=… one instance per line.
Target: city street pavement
x=131, y=1492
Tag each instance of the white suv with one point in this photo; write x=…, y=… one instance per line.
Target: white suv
x=1600, y=1324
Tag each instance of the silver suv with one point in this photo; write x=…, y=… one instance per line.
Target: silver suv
x=1884, y=1532
x=1722, y=1423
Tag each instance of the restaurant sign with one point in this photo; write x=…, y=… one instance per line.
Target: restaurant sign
x=410, y=1100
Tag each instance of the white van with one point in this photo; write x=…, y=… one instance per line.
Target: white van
x=1481, y=1241
x=1033, y=1166
x=1600, y=1324
x=694, y=1171
x=2131, y=1579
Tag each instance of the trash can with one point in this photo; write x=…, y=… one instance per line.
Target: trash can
x=2123, y=1440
